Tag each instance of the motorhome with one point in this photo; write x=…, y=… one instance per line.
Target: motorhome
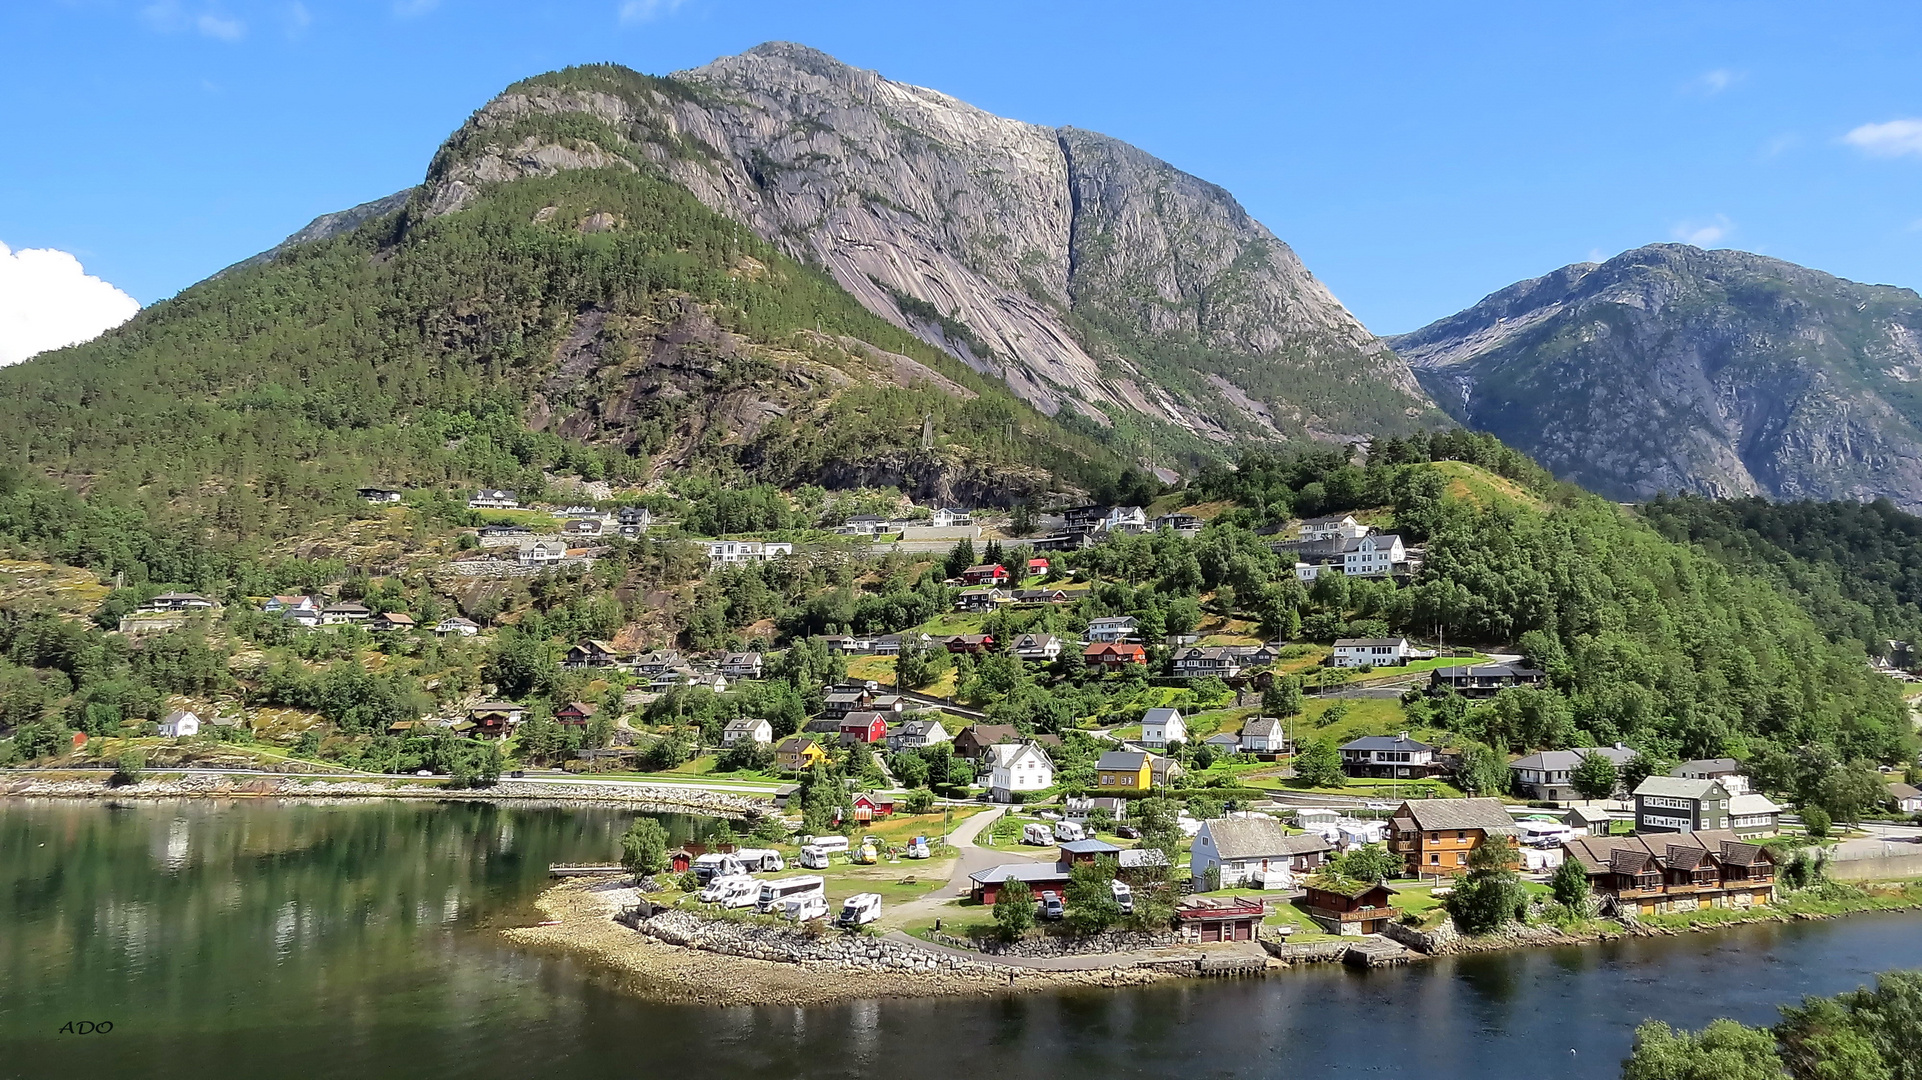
x=813, y=858
x=918, y=848
x=868, y=853
x=776, y=893
x=807, y=906
x=1051, y=906
x=833, y=845
x=1067, y=832
x=1543, y=834
x=860, y=909
x=1037, y=834
x=1124, y=896
x=734, y=891
x=716, y=865
x=765, y=860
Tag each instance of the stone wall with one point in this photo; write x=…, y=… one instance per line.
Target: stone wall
x=780, y=944
x=1066, y=944
x=1428, y=941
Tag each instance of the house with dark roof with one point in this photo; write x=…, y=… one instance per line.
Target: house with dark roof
x=1348, y=908
x=1434, y=837
x=1199, y=662
x=1253, y=852
x=985, y=885
x=1545, y=775
x=591, y=653
x=1679, y=804
x=1264, y=736
x=1907, y=798
x=1484, y=680
x=1671, y=872
x=1725, y=769
x=1390, y=757
x=1124, y=770
x=915, y=734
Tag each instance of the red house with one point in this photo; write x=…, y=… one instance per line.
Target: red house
x=869, y=807
x=867, y=727
x=1113, y=656
x=1037, y=566
x=575, y=712
x=985, y=575
x=1207, y=918
x=970, y=643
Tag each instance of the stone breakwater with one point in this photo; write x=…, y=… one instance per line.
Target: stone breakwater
x=660, y=797
x=1118, y=941
x=828, y=948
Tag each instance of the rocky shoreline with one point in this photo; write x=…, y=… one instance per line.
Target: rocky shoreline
x=660, y=798
x=583, y=924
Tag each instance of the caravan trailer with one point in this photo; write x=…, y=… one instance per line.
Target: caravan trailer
x=765, y=860
x=775, y=894
x=833, y=845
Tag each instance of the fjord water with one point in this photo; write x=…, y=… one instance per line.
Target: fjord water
x=360, y=940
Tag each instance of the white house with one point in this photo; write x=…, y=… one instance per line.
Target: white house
x=494, y=499
x=863, y=525
x=735, y=552
x=1371, y=652
x=1111, y=629
x=543, y=553
x=1253, y=851
x=1263, y=735
x=751, y=729
x=456, y=627
x=1159, y=727
x=1907, y=798
x=344, y=613
x=948, y=517
x=741, y=665
x=179, y=724
x=1037, y=648
x=915, y=734
x=1018, y=767
x=1373, y=556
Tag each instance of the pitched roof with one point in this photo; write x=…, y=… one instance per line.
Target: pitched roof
x=1488, y=671
x=1090, y=846
x=1160, y=716
x=1434, y=815
x=1720, y=765
x=1261, y=727
x=1121, y=761
x=1602, y=853
x=1564, y=760
x=1365, y=642
x=1678, y=787
x=1386, y=742
x=1900, y=790
x=1248, y=838
x=1026, y=871
x=744, y=723
x=793, y=745
x=1752, y=804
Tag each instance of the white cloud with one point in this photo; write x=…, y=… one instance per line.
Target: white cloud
x=220, y=27
x=408, y=9
x=1703, y=233
x=47, y=301
x=171, y=17
x=1891, y=139
x=635, y=12
x=298, y=19
x=1781, y=144
x=1711, y=83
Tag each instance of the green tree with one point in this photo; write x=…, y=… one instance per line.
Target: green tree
x=919, y=801
x=1319, y=765
x=1639, y=768
x=1090, y=899
x=644, y=847
x=1849, y=791
x=1816, y=821
x=1370, y=862
x=1491, y=893
x=1283, y=696
x=129, y=768
x=1594, y=777
x=1484, y=770
x=1013, y=909
x=1725, y=1050
x=1570, y=885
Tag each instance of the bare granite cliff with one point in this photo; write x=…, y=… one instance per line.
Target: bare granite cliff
x=1087, y=274
x=1671, y=368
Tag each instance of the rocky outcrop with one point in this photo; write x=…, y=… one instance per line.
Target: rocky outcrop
x=1088, y=275
x=824, y=948
x=1671, y=368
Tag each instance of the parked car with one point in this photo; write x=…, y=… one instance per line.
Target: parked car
x=1123, y=895
x=1127, y=832
x=860, y=909
x=1051, y=906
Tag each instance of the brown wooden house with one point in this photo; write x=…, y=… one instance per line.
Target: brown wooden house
x=1669, y=872
x=1349, y=908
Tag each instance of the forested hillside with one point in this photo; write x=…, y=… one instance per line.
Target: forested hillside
x=598, y=324
x=1856, y=567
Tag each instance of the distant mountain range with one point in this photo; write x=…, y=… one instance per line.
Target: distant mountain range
x=1671, y=368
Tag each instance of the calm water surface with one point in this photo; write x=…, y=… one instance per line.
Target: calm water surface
x=267, y=940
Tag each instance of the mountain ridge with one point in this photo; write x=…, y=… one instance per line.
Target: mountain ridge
x=1671, y=368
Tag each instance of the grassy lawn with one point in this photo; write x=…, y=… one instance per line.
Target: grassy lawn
x=1214, y=721
x=1296, y=659
x=958, y=917
x=1361, y=716
x=951, y=623
x=872, y=669
x=1414, y=667
x=1306, y=929
x=1476, y=485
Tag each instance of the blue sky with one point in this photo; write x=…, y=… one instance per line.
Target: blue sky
x=1417, y=156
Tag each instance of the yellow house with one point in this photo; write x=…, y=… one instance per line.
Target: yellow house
x=1124, y=770
x=797, y=754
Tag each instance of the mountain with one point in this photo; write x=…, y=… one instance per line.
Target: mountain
x=1671, y=368
x=1089, y=276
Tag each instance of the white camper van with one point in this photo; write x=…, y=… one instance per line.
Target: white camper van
x=736, y=891
x=1036, y=833
x=813, y=858
x=860, y=909
x=833, y=845
x=776, y=893
x=715, y=865
x=1068, y=832
x=807, y=906
x=918, y=848
x=1123, y=896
